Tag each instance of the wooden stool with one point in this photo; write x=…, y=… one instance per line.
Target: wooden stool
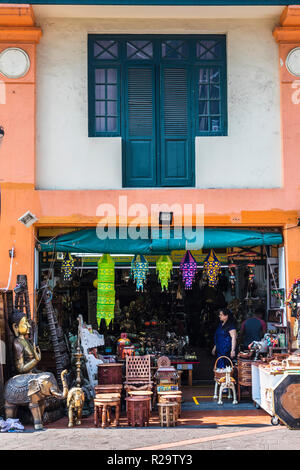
x=141, y=393
x=172, y=399
x=138, y=411
x=175, y=393
x=113, y=388
x=169, y=393
x=102, y=407
x=167, y=414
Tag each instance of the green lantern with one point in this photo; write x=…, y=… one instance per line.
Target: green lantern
x=106, y=289
x=164, y=268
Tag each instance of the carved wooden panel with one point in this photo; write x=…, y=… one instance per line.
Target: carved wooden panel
x=138, y=369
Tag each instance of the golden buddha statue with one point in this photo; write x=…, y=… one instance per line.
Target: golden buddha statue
x=26, y=354
x=127, y=325
x=30, y=387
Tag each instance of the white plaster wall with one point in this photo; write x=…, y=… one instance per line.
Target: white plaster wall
x=249, y=157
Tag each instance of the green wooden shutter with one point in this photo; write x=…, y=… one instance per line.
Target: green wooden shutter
x=177, y=144
x=139, y=143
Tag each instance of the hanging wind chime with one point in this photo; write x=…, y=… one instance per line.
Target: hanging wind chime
x=212, y=268
x=232, y=278
x=164, y=267
x=67, y=267
x=188, y=268
x=250, y=279
x=139, y=271
x=106, y=289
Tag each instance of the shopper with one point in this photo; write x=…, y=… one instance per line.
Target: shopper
x=254, y=328
x=225, y=337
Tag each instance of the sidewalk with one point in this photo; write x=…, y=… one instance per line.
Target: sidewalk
x=203, y=425
x=205, y=433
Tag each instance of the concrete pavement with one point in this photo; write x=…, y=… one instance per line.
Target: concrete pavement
x=156, y=439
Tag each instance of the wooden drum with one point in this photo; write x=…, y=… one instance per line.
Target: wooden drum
x=244, y=372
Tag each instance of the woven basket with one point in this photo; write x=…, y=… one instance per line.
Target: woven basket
x=219, y=375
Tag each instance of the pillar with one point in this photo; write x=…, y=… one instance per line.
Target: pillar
x=287, y=35
x=19, y=37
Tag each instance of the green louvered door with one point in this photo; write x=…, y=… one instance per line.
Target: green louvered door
x=157, y=93
x=176, y=162
x=140, y=138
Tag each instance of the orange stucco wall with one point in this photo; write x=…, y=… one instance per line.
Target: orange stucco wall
x=238, y=208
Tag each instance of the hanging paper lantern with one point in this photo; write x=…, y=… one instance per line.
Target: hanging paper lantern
x=188, y=267
x=212, y=268
x=164, y=267
x=139, y=271
x=106, y=289
x=67, y=267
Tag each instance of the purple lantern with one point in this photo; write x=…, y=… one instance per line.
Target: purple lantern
x=188, y=267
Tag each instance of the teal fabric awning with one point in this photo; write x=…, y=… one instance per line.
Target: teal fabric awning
x=87, y=241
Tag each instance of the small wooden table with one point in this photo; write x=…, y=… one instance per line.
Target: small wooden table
x=167, y=414
x=186, y=365
x=171, y=397
x=102, y=407
x=138, y=411
x=141, y=393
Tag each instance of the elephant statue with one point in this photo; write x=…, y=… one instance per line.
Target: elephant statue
x=32, y=390
x=75, y=403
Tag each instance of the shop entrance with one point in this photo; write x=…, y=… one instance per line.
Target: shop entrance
x=176, y=322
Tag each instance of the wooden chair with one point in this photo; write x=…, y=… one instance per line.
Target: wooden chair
x=138, y=374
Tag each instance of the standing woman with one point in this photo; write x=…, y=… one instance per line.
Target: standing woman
x=225, y=337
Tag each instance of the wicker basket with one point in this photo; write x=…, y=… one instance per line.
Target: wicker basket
x=219, y=375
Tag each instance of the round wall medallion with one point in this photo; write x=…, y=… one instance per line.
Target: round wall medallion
x=14, y=62
x=293, y=62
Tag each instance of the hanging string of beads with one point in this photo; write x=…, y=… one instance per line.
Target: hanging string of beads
x=232, y=278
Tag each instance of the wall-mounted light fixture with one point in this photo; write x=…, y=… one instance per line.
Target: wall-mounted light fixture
x=1, y=132
x=165, y=218
x=28, y=219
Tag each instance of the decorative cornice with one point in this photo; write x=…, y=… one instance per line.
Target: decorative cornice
x=24, y=35
x=17, y=24
x=16, y=15
x=289, y=29
x=290, y=16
